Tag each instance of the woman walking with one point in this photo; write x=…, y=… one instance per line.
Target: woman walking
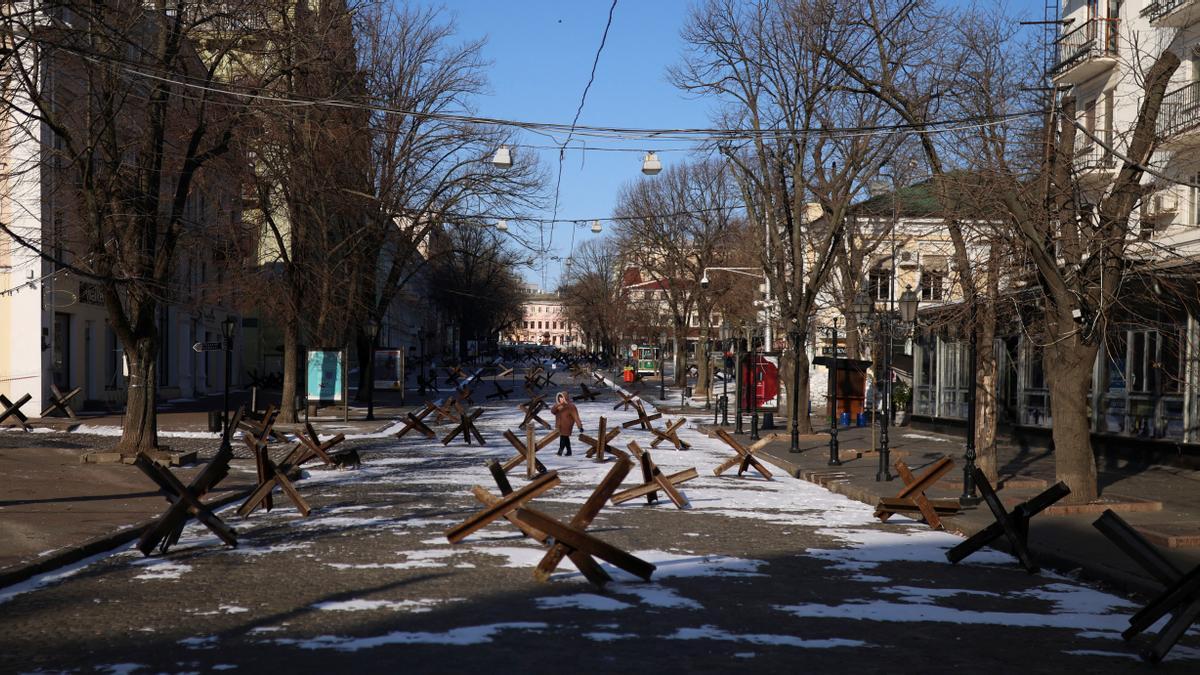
x=566, y=416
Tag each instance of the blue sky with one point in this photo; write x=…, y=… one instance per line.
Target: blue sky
x=541, y=52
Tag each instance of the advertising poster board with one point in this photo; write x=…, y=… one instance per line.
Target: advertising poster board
x=760, y=373
x=389, y=368
x=325, y=375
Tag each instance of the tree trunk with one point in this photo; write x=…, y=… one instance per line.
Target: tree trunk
x=987, y=375
x=362, y=348
x=139, y=431
x=291, y=359
x=985, y=393
x=680, y=359
x=1069, y=371
x=803, y=422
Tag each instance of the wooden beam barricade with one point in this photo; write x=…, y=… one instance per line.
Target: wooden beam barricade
x=61, y=402
x=186, y=500
x=13, y=410
x=670, y=434
x=654, y=480
x=1014, y=525
x=446, y=410
x=628, y=400
x=500, y=391
x=744, y=459
x=1179, y=598
x=600, y=444
x=453, y=375
x=572, y=540
x=264, y=429
x=643, y=420
x=507, y=504
x=272, y=475
x=315, y=447
x=425, y=384
x=466, y=427
x=912, y=498
x=532, y=408
x=417, y=422
x=587, y=394
x=527, y=451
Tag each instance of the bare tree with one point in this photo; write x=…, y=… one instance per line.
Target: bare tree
x=769, y=65
x=593, y=295
x=673, y=227
x=130, y=124
x=473, y=279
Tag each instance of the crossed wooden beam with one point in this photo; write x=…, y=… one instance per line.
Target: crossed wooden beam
x=601, y=443
x=61, y=402
x=186, y=500
x=654, y=480
x=1013, y=525
x=417, y=422
x=744, y=459
x=13, y=410
x=671, y=435
x=570, y=540
x=454, y=374
x=314, y=447
x=466, y=427
x=643, y=420
x=446, y=410
x=531, y=408
x=500, y=391
x=527, y=451
x=426, y=383
x=912, y=498
x=586, y=394
x=1180, y=596
x=272, y=475
x=628, y=400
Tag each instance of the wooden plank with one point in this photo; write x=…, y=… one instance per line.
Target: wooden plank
x=586, y=543
x=506, y=504
x=488, y=499
x=585, y=515
x=634, y=493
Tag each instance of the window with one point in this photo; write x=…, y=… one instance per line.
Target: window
x=879, y=284
x=1194, y=202
x=932, y=283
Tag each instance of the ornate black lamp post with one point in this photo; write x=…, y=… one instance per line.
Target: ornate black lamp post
x=834, y=458
x=969, y=496
x=371, y=331
x=227, y=331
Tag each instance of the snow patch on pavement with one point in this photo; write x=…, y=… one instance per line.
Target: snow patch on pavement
x=709, y=632
x=589, y=601
x=467, y=635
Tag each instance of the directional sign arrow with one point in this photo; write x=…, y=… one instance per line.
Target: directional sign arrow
x=208, y=346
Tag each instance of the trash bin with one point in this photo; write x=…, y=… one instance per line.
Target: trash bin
x=214, y=421
x=861, y=420
x=628, y=375
x=845, y=420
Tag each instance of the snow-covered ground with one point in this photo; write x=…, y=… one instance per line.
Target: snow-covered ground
x=866, y=567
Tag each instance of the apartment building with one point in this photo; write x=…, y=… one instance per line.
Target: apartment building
x=54, y=327
x=1145, y=379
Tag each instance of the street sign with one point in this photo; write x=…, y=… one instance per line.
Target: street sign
x=208, y=346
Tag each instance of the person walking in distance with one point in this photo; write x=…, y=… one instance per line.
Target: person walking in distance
x=566, y=416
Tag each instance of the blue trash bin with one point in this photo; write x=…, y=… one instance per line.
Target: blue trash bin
x=861, y=420
x=844, y=420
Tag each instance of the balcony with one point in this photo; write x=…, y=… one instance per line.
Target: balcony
x=1179, y=118
x=1086, y=51
x=1173, y=13
x=1093, y=159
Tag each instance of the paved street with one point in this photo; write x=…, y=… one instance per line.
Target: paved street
x=757, y=576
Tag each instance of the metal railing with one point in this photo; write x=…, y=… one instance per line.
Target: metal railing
x=1090, y=155
x=1160, y=8
x=1180, y=111
x=1095, y=38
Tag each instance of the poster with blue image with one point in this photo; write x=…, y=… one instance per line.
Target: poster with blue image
x=326, y=374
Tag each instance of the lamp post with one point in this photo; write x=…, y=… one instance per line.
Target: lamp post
x=227, y=331
x=371, y=331
x=793, y=398
x=662, y=370
x=737, y=393
x=969, y=496
x=834, y=458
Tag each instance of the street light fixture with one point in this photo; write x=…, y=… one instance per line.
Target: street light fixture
x=371, y=331
x=227, y=331
x=651, y=164
x=502, y=158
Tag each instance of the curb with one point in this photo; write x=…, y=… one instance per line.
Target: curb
x=73, y=554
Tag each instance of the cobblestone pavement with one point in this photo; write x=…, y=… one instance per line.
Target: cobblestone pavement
x=756, y=576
